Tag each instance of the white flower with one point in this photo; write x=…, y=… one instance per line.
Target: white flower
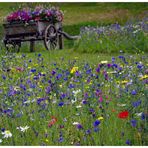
x=1, y=140
x=75, y=123
x=138, y=114
x=122, y=105
x=75, y=92
x=27, y=102
x=74, y=100
x=104, y=62
x=23, y=129
x=79, y=106
x=7, y=134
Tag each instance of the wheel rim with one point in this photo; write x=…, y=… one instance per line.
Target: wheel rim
x=50, y=39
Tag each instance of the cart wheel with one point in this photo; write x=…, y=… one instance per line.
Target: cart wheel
x=50, y=37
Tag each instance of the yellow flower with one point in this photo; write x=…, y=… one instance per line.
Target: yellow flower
x=104, y=62
x=43, y=73
x=124, y=82
x=35, y=64
x=46, y=140
x=74, y=69
x=46, y=101
x=143, y=77
x=60, y=86
x=100, y=118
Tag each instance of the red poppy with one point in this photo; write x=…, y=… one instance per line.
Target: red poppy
x=52, y=121
x=123, y=114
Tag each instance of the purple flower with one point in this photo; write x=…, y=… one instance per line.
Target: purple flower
x=61, y=104
x=109, y=65
x=142, y=116
x=96, y=123
x=137, y=103
x=2, y=129
x=128, y=142
x=133, y=92
x=40, y=100
x=98, y=69
x=79, y=126
x=33, y=70
x=133, y=122
x=88, y=132
x=53, y=72
x=39, y=55
x=96, y=129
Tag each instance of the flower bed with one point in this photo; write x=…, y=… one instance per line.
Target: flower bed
x=27, y=15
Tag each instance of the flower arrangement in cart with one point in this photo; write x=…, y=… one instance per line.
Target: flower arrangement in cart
x=40, y=13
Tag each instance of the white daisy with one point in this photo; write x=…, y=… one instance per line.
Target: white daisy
x=75, y=123
x=23, y=129
x=7, y=134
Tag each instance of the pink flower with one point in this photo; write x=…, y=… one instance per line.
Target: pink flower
x=100, y=99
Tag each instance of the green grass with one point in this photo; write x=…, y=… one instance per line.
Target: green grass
x=111, y=127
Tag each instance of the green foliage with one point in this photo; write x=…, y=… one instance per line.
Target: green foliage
x=113, y=42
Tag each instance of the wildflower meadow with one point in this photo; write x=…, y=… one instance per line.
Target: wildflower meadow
x=78, y=97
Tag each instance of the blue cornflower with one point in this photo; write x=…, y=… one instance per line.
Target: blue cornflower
x=61, y=104
x=4, y=77
x=98, y=69
x=79, y=126
x=113, y=59
x=133, y=122
x=48, y=89
x=40, y=100
x=139, y=66
x=59, y=76
x=84, y=101
x=62, y=96
x=61, y=139
x=120, y=57
x=96, y=123
x=91, y=110
x=137, y=103
x=88, y=71
x=39, y=55
x=133, y=92
x=142, y=116
x=53, y=72
x=2, y=129
x=128, y=142
x=96, y=129
x=88, y=132
x=71, y=85
x=33, y=70
x=115, y=65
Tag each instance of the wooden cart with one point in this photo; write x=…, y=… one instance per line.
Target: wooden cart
x=50, y=33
